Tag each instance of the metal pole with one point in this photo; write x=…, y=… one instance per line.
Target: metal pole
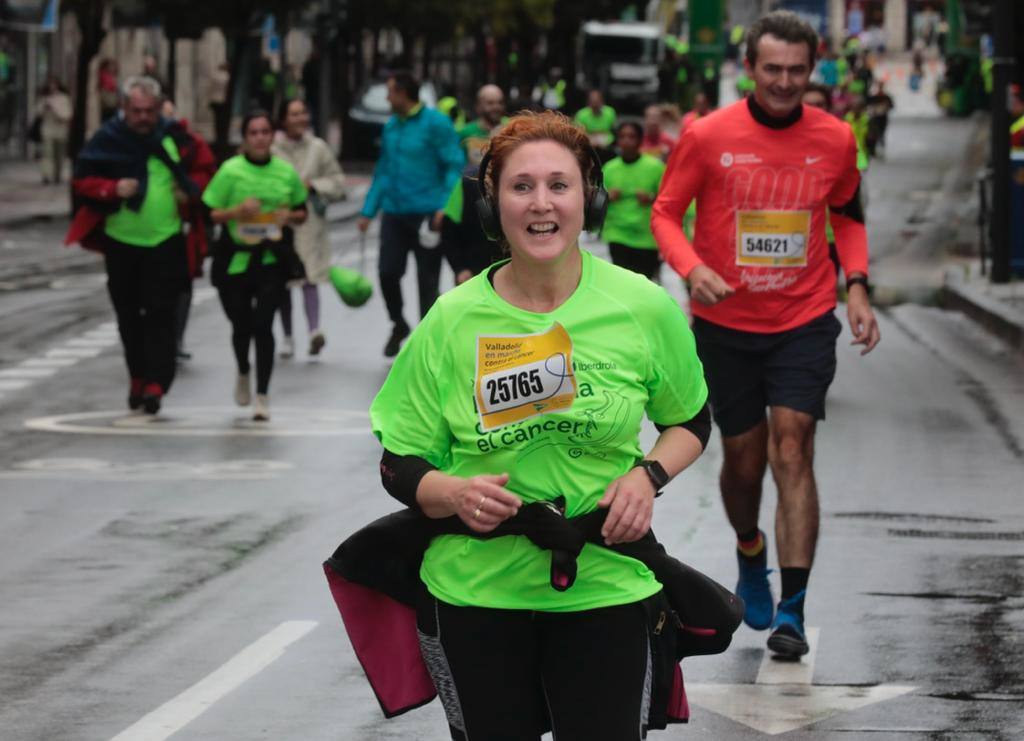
x=1002, y=64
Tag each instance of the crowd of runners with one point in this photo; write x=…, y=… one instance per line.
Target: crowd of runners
x=757, y=206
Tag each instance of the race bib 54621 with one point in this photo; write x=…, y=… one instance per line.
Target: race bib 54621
x=522, y=376
x=776, y=239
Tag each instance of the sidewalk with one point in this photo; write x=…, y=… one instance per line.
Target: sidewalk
x=24, y=198
x=998, y=308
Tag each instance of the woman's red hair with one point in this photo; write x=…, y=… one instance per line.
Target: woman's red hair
x=530, y=126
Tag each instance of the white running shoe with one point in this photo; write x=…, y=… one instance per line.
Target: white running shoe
x=243, y=392
x=261, y=409
x=287, y=347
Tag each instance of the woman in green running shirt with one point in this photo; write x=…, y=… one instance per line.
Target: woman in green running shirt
x=257, y=197
x=528, y=383
x=632, y=180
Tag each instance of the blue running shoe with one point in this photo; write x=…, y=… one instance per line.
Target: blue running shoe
x=756, y=593
x=788, y=640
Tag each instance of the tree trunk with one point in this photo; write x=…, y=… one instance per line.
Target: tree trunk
x=172, y=69
x=90, y=25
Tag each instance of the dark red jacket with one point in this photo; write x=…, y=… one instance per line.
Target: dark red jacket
x=96, y=198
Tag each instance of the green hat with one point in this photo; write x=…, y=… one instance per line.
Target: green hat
x=352, y=287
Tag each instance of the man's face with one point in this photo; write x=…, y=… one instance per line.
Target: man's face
x=397, y=98
x=141, y=111
x=491, y=106
x=596, y=100
x=781, y=74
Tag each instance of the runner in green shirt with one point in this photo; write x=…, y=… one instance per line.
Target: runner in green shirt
x=598, y=120
x=528, y=383
x=632, y=180
x=258, y=196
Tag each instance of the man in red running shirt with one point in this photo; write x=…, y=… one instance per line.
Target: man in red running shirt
x=764, y=170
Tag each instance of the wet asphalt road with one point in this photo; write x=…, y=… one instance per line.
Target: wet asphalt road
x=151, y=569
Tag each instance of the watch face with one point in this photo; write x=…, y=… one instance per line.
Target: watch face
x=656, y=473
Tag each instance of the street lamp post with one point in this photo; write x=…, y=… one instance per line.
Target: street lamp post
x=1002, y=64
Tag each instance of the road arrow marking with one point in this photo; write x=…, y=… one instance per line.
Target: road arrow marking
x=783, y=699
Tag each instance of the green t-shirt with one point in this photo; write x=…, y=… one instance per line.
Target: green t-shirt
x=618, y=347
x=597, y=123
x=275, y=184
x=453, y=208
x=628, y=221
x=157, y=219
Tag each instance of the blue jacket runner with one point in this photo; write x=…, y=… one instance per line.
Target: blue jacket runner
x=420, y=162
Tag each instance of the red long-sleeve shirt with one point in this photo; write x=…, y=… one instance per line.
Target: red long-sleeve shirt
x=762, y=194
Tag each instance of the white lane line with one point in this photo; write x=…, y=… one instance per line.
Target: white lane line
x=47, y=362
x=177, y=713
x=74, y=352
x=773, y=671
x=90, y=342
x=15, y=384
x=27, y=372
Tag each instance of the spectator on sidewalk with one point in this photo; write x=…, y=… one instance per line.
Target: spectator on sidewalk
x=129, y=186
x=54, y=110
x=420, y=161
x=106, y=86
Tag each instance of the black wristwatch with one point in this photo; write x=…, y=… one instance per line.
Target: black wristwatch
x=862, y=279
x=655, y=473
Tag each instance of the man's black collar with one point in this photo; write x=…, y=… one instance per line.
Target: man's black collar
x=766, y=119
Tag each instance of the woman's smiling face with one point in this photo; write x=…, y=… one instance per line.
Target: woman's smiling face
x=540, y=199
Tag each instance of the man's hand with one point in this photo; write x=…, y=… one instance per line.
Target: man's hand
x=614, y=194
x=437, y=220
x=462, y=276
x=363, y=223
x=644, y=198
x=863, y=324
x=126, y=187
x=248, y=208
x=707, y=286
x=630, y=503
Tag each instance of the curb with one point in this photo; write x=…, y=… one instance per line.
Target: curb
x=998, y=317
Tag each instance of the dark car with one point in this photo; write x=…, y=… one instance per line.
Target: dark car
x=367, y=116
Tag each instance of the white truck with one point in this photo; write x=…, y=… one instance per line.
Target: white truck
x=620, y=59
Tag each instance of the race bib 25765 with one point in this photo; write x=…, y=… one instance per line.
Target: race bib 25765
x=523, y=376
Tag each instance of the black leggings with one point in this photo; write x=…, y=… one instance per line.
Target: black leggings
x=645, y=262
x=250, y=302
x=502, y=674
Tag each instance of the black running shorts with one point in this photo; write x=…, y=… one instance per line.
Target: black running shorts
x=748, y=371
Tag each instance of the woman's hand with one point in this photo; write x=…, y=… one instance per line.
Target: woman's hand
x=630, y=503
x=483, y=503
x=248, y=208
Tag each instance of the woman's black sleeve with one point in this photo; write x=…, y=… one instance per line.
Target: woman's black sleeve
x=700, y=425
x=401, y=475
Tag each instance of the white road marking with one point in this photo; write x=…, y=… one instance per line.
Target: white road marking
x=209, y=421
x=14, y=384
x=780, y=708
x=48, y=362
x=96, y=341
x=178, y=712
x=95, y=469
x=782, y=697
x=27, y=372
x=74, y=352
x=773, y=671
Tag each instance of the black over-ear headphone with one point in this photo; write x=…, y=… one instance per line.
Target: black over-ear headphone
x=594, y=209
